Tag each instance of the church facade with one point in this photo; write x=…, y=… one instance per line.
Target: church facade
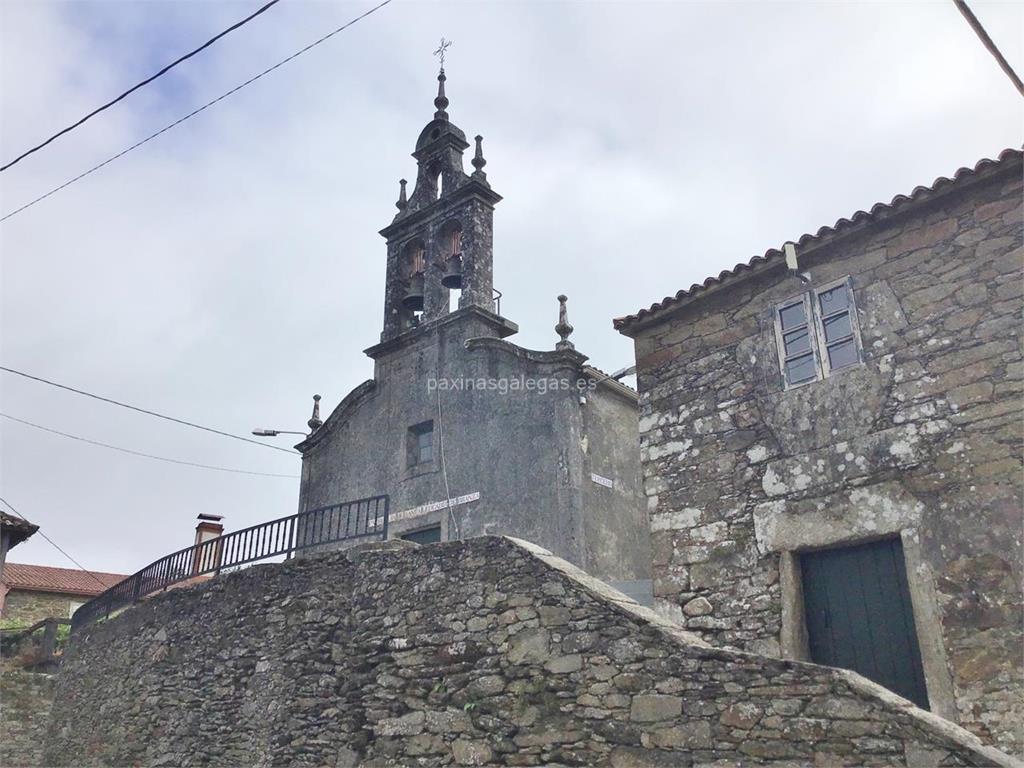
x=466, y=432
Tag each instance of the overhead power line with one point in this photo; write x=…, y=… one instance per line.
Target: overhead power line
x=143, y=410
x=195, y=112
x=54, y=544
x=140, y=453
x=148, y=80
x=989, y=44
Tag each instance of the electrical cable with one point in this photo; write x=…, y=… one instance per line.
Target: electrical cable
x=55, y=545
x=194, y=112
x=134, y=88
x=989, y=44
x=444, y=468
x=143, y=410
x=140, y=453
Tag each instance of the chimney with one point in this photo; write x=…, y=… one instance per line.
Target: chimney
x=207, y=558
x=209, y=527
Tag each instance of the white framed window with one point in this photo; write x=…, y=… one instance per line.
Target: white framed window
x=817, y=333
x=838, y=332
x=797, y=349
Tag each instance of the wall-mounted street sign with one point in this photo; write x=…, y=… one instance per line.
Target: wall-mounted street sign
x=433, y=506
x=602, y=480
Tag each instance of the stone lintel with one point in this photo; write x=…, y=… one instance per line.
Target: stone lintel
x=858, y=514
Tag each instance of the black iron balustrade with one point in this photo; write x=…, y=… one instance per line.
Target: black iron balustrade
x=364, y=518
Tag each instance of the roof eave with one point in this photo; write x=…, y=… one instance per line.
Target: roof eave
x=844, y=228
x=53, y=590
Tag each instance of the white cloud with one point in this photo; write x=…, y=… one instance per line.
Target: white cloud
x=230, y=269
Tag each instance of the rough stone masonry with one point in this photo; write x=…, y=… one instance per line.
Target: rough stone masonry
x=25, y=701
x=920, y=441
x=481, y=652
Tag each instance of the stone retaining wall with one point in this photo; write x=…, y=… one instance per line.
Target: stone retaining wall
x=25, y=700
x=488, y=651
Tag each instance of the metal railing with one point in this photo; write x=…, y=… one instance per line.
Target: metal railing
x=363, y=518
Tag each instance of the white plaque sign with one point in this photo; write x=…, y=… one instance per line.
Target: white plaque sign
x=433, y=506
x=602, y=480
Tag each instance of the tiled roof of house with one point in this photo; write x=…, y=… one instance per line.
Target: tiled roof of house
x=606, y=378
x=44, y=578
x=877, y=212
x=18, y=528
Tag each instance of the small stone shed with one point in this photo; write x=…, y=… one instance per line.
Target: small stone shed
x=831, y=448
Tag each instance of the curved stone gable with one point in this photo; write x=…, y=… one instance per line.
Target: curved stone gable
x=489, y=651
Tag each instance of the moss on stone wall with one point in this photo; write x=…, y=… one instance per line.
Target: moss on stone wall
x=921, y=441
x=26, y=607
x=25, y=701
x=480, y=652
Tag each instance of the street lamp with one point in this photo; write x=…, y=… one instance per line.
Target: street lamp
x=313, y=424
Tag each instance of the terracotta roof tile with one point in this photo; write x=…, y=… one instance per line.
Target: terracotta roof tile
x=44, y=578
x=860, y=217
x=603, y=376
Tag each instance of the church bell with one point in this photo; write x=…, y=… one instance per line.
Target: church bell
x=453, y=273
x=413, y=299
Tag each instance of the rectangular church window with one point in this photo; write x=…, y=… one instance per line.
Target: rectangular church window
x=420, y=444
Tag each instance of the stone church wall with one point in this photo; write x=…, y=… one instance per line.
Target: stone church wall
x=922, y=441
x=518, y=453
x=482, y=652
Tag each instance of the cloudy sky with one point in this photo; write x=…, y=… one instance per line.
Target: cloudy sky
x=231, y=268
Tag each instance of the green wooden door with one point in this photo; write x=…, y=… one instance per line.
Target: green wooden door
x=424, y=536
x=859, y=615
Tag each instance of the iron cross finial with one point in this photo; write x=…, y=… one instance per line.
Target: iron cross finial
x=445, y=45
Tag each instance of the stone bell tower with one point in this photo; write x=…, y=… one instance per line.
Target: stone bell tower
x=441, y=238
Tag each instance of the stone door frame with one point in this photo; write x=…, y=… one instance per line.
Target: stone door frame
x=795, y=531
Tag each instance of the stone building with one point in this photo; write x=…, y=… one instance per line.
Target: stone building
x=535, y=444
x=13, y=531
x=831, y=442
x=31, y=593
